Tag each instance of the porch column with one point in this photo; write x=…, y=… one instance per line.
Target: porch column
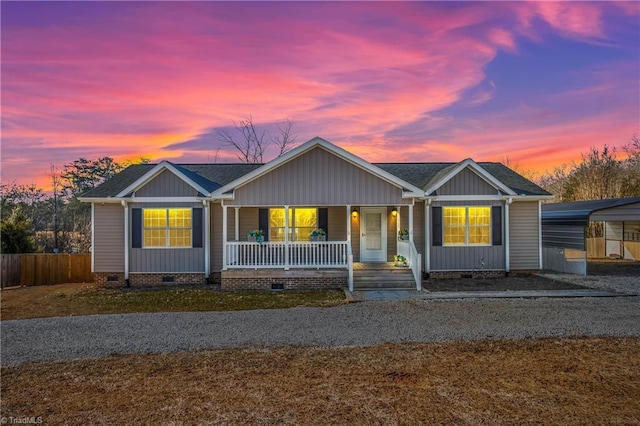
x=207, y=240
x=237, y=217
x=349, y=224
x=397, y=221
x=286, y=238
x=411, y=222
x=127, y=233
x=427, y=239
x=224, y=236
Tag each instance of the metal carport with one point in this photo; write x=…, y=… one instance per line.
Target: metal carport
x=564, y=243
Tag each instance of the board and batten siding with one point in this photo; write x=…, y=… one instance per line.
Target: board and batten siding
x=467, y=182
x=166, y=184
x=318, y=178
x=108, y=237
x=169, y=260
x=524, y=236
x=467, y=258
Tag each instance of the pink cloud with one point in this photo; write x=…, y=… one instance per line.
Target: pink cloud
x=355, y=73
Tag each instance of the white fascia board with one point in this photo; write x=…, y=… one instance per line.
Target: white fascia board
x=514, y=198
x=155, y=171
x=413, y=191
x=477, y=169
x=165, y=199
x=101, y=200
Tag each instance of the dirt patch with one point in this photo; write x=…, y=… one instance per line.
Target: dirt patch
x=523, y=283
x=613, y=267
x=547, y=381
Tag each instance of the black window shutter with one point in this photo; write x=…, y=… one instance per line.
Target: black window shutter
x=496, y=225
x=196, y=230
x=436, y=226
x=136, y=228
x=263, y=222
x=323, y=220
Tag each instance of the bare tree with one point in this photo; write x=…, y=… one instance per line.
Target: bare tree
x=252, y=144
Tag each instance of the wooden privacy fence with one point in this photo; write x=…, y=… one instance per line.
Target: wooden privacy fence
x=45, y=269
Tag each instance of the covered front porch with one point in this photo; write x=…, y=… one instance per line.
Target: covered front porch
x=275, y=245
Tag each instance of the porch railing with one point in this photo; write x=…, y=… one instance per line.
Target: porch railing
x=295, y=254
x=414, y=259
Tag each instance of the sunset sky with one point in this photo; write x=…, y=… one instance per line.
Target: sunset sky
x=538, y=83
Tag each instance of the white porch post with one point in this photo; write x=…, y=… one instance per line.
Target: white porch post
x=126, y=239
x=397, y=221
x=349, y=223
x=224, y=236
x=207, y=240
x=286, y=238
x=411, y=222
x=427, y=239
x=93, y=237
x=237, y=218
x=506, y=234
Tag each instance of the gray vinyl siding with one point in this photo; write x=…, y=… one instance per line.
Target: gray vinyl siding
x=215, y=235
x=392, y=236
x=467, y=182
x=337, y=223
x=455, y=258
x=524, y=228
x=108, y=238
x=160, y=260
x=166, y=184
x=318, y=178
x=630, y=212
x=355, y=234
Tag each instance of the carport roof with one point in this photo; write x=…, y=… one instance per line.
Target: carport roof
x=578, y=212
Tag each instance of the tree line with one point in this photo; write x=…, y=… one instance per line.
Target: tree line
x=35, y=221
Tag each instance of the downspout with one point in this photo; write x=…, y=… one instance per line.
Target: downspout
x=506, y=234
x=427, y=235
x=127, y=233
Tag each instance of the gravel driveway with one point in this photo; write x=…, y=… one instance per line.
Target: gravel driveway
x=367, y=323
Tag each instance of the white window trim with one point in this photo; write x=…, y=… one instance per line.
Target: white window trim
x=292, y=224
x=165, y=247
x=466, y=227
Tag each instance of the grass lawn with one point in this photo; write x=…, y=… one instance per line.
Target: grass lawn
x=88, y=299
x=546, y=381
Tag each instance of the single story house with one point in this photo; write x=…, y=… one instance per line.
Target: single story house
x=313, y=218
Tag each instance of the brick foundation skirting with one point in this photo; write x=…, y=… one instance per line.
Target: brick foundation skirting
x=269, y=279
x=116, y=279
x=109, y=279
x=466, y=274
x=149, y=280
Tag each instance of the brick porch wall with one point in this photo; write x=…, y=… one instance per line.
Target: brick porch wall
x=264, y=279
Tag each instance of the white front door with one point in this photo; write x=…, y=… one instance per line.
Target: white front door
x=373, y=234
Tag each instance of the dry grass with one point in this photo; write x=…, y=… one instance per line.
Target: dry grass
x=89, y=299
x=548, y=381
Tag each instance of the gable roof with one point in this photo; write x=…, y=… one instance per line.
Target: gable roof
x=423, y=175
x=218, y=178
x=318, y=142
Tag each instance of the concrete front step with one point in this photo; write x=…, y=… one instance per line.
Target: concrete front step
x=396, y=279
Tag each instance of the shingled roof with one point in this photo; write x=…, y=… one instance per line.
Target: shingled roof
x=213, y=176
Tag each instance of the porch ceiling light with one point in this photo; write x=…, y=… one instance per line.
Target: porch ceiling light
x=354, y=213
x=394, y=212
